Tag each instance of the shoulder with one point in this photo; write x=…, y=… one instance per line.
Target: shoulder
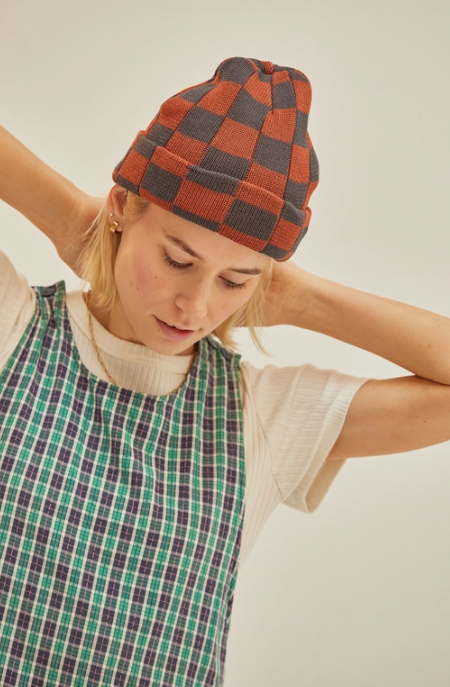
x=18, y=302
x=307, y=377
x=294, y=415
x=302, y=394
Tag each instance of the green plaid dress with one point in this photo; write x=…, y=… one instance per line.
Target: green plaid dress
x=121, y=517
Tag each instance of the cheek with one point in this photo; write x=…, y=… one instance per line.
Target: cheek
x=145, y=280
x=231, y=302
x=137, y=279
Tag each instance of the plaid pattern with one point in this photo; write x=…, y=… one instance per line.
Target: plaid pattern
x=232, y=154
x=120, y=517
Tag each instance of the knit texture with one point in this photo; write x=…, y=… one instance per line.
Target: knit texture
x=232, y=154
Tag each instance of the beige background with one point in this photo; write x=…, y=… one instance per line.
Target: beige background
x=358, y=593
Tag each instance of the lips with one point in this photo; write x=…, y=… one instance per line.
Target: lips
x=174, y=333
x=180, y=329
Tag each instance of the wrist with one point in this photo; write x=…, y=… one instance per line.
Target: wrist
x=302, y=303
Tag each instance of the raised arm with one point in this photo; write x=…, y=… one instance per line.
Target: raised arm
x=385, y=416
x=50, y=201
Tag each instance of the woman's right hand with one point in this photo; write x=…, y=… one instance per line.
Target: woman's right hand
x=58, y=208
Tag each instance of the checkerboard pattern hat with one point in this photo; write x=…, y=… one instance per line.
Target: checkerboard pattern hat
x=232, y=154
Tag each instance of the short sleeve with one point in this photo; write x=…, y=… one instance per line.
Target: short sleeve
x=17, y=303
x=301, y=411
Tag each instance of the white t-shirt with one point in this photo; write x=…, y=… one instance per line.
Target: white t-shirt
x=292, y=415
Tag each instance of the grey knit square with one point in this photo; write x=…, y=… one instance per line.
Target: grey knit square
x=126, y=183
x=262, y=76
x=300, y=129
x=257, y=222
x=194, y=95
x=292, y=214
x=160, y=134
x=200, y=124
x=295, y=193
x=161, y=183
x=260, y=65
x=295, y=74
x=225, y=163
x=283, y=96
x=299, y=238
x=274, y=252
x=248, y=111
x=237, y=69
x=313, y=165
x=265, y=78
x=145, y=147
x=273, y=154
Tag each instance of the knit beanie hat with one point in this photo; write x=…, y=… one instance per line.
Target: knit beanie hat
x=232, y=154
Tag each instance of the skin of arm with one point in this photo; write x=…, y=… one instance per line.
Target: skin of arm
x=390, y=415
x=386, y=416
x=50, y=201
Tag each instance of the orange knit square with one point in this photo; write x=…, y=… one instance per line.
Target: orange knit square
x=134, y=167
x=280, y=124
x=284, y=235
x=299, y=169
x=186, y=147
x=242, y=238
x=260, y=198
x=173, y=111
x=219, y=99
x=267, y=178
x=203, y=201
x=261, y=91
x=171, y=163
x=236, y=138
x=280, y=77
x=302, y=95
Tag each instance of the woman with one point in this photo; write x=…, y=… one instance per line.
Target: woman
x=133, y=443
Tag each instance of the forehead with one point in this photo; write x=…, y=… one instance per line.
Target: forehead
x=204, y=242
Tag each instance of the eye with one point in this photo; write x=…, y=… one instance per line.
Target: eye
x=233, y=285
x=182, y=266
x=177, y=265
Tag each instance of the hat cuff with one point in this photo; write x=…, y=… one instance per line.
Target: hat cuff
x=237, y=209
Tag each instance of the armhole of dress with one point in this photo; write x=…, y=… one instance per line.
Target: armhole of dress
x=18, y=345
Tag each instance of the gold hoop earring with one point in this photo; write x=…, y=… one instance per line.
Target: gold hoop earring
x=113, y=227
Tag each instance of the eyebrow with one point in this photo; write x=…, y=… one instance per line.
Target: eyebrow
x=181, y=244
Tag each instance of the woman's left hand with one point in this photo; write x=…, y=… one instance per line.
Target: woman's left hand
x=386, y=415
x=288, y=294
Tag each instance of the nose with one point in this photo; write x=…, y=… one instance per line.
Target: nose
x=193, y=300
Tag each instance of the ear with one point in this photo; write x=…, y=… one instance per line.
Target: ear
x=117, y=200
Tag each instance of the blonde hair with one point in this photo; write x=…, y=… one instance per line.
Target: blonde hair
x=97, y=261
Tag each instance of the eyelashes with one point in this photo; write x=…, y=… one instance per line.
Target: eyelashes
x=183, y=266
x=172, y=263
